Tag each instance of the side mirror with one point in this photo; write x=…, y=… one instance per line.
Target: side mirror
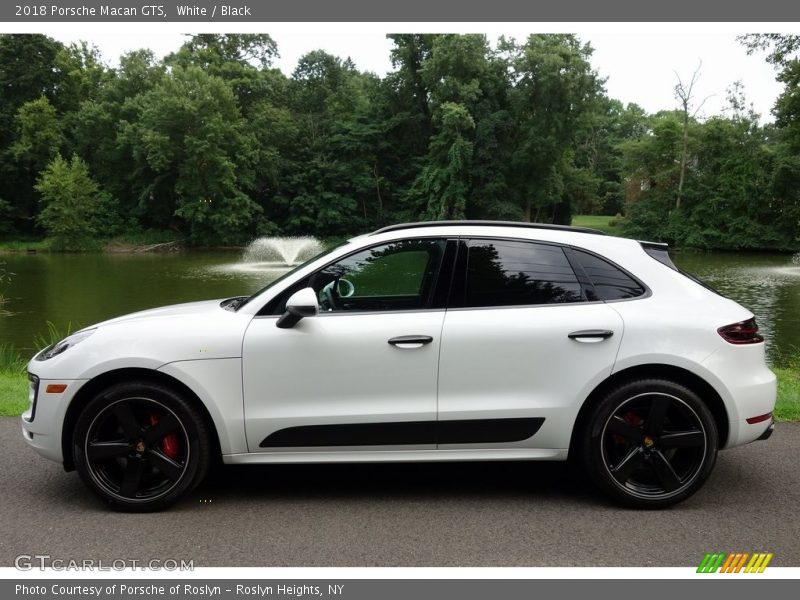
x=303, y=303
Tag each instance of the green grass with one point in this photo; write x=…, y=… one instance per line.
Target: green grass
x=606, y=223
x=788, y=406
x=10, y=359
x=24, y=245
x=136, y=238
x=13, y=382
x=13, y=393
x=53, y=336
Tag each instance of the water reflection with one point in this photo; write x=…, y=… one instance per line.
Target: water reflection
x=81, y=289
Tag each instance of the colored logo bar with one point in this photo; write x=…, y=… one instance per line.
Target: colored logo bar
x=735, y=562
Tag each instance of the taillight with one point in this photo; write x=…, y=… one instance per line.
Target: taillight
x=744, y=332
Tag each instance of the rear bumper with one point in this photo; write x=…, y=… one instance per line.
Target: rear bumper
x=741, y=432
x=747, y=387
x=767, y=432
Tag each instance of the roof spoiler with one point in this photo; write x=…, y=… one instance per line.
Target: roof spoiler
x=660, y=252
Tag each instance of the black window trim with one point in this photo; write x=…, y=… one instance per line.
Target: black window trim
x=456, y=249
x=647, y=291
x=462, y=265
x=437, y=295
x=460, y=271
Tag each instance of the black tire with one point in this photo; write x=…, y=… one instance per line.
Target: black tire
x=140, y=446
x=650, y=443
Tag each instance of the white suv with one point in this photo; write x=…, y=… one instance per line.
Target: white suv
x=420, y=342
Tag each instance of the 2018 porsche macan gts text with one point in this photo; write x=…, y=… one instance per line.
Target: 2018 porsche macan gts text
x=435, y=341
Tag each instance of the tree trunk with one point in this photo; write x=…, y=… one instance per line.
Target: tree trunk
x=683, y=158
x=378, y=190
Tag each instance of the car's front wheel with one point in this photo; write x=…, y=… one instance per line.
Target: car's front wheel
x=140, y=446
x=650, y=443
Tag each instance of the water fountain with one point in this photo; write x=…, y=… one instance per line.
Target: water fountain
x=790, y=270
x=273, y=255
x=288, y=251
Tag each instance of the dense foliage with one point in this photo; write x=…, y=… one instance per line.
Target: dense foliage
x=218, y=146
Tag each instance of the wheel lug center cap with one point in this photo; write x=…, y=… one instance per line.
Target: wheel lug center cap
x=648, y=442
x=139, y=447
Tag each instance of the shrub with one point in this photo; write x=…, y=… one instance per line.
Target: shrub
x=74, y=209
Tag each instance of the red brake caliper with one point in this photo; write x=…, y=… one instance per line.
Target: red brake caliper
x=632, y=418
x=169, y=445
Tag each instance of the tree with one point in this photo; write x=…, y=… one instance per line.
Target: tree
x=409, y=53
x=783, y=52
x=28, y=73
x=553, y=93
x=597, y=185
x=39, y=134
x=651, y=169
x=781, y=48
x=93, y=131
x=330, y=179
x=242, y=60
x=82, y=76
x=72, y=203
x=684, y=92
x=217, y=145
x=194, y=157
x=211, y=49
x=445, y=182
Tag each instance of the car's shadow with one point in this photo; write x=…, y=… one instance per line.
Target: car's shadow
x=399, y=480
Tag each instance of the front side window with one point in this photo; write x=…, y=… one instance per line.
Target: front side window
x=395, y=276
x=515, y=273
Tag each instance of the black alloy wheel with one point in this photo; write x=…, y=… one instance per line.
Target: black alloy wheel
x=651, y=443
x=140, y=446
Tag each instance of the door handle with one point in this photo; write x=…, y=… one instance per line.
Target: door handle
x=410, y=341
x=590, y=336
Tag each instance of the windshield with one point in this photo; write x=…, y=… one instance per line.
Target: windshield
x=288, y=273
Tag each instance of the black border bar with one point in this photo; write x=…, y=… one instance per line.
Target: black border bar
x=438, y=11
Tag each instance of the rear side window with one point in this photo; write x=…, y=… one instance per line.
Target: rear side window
x=513, y=273
x=609, y=281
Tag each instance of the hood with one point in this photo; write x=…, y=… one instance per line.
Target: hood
x=173, y=311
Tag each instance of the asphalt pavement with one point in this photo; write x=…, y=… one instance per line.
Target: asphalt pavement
x=458, y=514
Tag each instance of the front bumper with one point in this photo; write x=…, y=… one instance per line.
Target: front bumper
x=43, y=422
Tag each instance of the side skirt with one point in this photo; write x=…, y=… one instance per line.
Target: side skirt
x=355, y=456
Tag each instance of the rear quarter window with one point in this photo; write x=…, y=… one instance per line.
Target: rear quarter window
x=609, y=281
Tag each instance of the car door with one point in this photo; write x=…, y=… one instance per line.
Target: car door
x=522, y=346
x=362, y=374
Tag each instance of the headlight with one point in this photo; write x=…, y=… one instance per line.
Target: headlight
x=33, y=392
x=67, y=342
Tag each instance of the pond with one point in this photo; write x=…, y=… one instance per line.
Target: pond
x=75, y=290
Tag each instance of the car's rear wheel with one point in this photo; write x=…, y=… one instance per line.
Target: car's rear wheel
x=650, y=443
x=140, y=446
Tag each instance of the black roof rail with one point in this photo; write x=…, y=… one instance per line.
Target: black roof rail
x=468, y=223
